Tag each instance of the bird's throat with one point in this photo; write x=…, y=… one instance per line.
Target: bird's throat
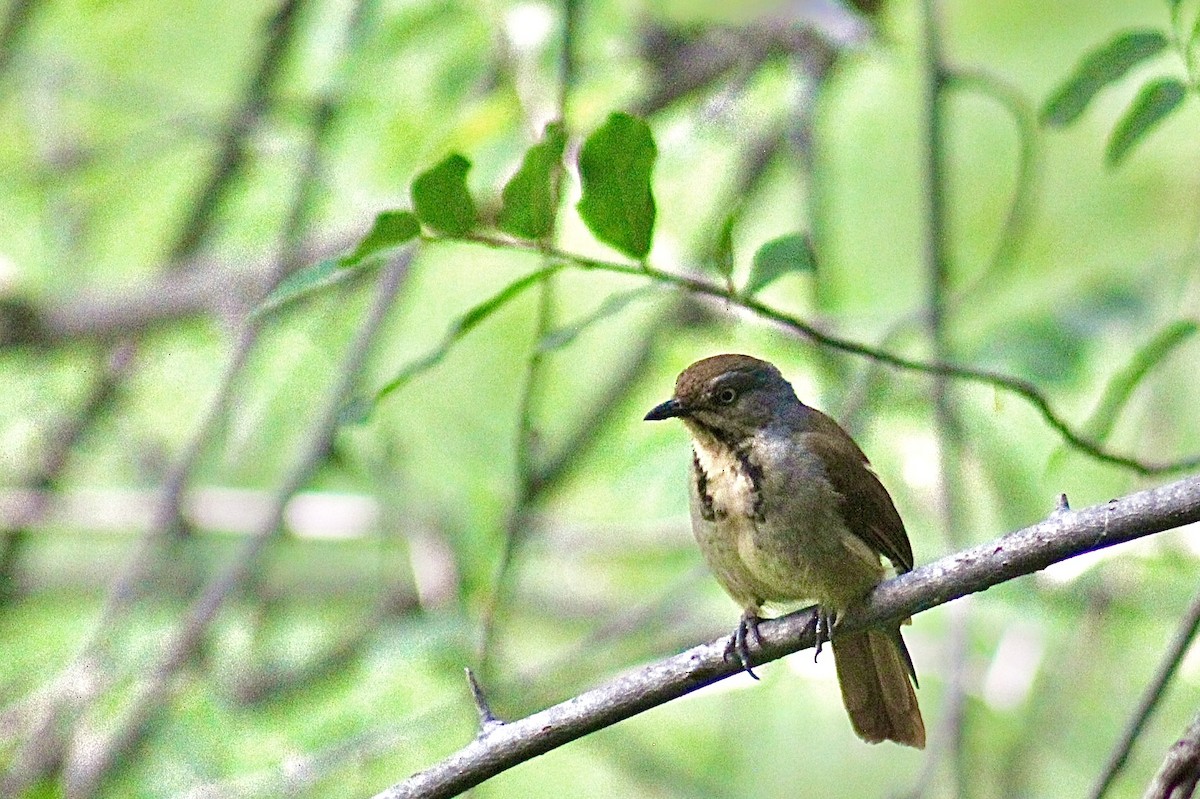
x=728, y=479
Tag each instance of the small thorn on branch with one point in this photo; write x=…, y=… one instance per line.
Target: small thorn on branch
x=487, y=719
x=1063, y=505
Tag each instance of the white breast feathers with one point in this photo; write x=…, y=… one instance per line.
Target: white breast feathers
x=727, y=482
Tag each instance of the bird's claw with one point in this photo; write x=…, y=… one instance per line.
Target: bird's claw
x=822, y=629
x=738, y=644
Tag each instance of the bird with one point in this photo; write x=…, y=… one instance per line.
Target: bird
x=786, y=508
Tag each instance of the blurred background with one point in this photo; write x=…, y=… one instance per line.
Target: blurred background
x=221, y=577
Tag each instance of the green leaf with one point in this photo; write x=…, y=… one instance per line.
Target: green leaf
x=612, y=305
x=723, y=258
x=441, y=199
x=791, y=253
x=615, y=166
x=464, y=325
x=1121, y=387
x=1102, y=66
x=302, y=283
x=1119, y=390
x=1154, y=103
x=391, y=228
x=530, y=198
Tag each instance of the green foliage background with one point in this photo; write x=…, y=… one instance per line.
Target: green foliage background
x=1078, y=274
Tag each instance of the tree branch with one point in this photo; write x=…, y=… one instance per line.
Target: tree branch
x=154, y=690
x=1180, y=771
x=1063, y=535
x=1180, y=645
x=233, y=149
x=936, y=254
x=198, y=287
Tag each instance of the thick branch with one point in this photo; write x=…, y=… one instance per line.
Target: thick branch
x=1063, y=535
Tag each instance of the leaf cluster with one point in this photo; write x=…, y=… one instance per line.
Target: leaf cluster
x=1158, y=97
x=616, y=170
x=615, y=167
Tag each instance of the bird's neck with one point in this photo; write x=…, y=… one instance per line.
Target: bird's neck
x=728, y=476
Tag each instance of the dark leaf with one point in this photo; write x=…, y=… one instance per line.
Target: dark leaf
x=391, y=228
x=1153, y=104
x=615, y=165
x=441, y=199
x=791, y=253
x=1102, y=66
x=531, y=196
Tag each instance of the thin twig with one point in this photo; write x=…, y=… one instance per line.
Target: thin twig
x=1015, y=385
x=1024, y=199
x=202, y=287
x=936, y=245
x=527, y=493
x=44, y=745
x=165, y=526
x=936, y=254
x=255, y=687
x=43, y=750
x=1057, y=538
x=114, y=365
x=232, y=148
x=309, y=187
x=1150, y=699
x=555, y=468
x=1016, y=222
x=168, y=520
x=85, y=779
x=568, y=56
x=528, y=488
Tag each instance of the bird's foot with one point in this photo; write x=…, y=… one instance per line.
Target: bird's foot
x=822, y=628
x=739, y=642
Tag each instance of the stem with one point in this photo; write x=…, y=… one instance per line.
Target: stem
x=998, y=380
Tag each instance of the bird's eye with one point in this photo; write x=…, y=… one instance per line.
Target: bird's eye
x=726, y=396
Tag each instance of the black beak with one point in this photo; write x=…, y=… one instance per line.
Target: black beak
x=666, y=410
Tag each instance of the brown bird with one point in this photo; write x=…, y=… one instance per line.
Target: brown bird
x=786, y=508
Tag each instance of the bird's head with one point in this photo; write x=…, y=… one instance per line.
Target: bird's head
x=729, y=397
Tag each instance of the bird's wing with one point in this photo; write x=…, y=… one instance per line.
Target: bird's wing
x=864, y=503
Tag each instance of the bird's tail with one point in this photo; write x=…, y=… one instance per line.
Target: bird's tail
x=873, y=669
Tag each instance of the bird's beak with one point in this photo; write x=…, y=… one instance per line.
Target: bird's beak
x=666, y=410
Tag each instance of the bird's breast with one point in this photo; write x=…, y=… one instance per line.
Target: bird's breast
x=728, y=482
x=769, y=525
